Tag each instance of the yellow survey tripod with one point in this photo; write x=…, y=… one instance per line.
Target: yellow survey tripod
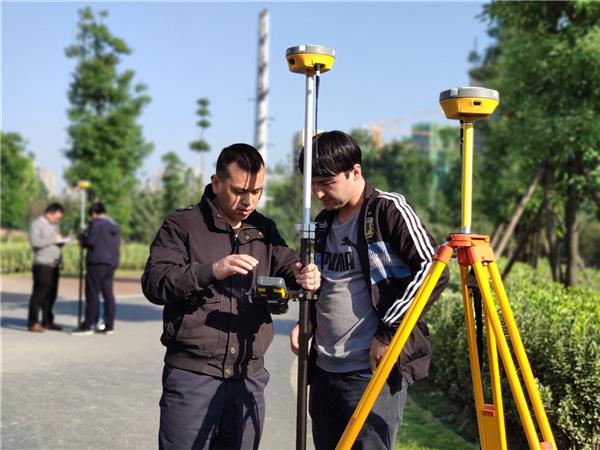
x=473, y=253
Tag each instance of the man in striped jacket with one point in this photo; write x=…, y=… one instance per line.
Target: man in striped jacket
x=374, y=254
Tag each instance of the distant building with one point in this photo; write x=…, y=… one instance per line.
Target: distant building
x=441, y=143
x=48, y=179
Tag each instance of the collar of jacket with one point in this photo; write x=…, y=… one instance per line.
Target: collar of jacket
x=212, y=212
x=369, y=194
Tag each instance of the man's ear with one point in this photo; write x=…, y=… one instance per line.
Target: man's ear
x=356, y=171
x=214, y=180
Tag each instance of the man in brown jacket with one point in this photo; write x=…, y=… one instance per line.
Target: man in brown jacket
x=202, y=262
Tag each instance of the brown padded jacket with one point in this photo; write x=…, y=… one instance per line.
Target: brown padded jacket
x=208, y=325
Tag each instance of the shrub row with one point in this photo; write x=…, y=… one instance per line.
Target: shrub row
x=560, y=329
x=16, y=257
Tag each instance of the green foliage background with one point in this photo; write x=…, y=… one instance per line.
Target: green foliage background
x=16, y=257
x=18, y=178
x=560, y=329
x=106, y=142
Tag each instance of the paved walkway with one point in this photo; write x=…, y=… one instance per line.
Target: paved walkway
x=102, y=392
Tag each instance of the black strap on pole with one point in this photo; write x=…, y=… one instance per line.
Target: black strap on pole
x=317, y=82
x=478, y=309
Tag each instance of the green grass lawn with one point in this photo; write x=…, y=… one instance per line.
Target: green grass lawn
x=420, y=430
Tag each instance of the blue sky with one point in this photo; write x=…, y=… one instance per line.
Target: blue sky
x=393, y=59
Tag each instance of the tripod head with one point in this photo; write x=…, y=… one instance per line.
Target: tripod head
x=468, y=104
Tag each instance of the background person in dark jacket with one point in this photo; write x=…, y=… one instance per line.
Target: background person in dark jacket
x=374, y=253
x=102, y=240
x=202, y=261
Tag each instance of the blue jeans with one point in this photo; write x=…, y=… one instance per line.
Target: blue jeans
x=334, y=397
x=201, y=412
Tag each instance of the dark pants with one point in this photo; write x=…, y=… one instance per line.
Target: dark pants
x=43, y=297
x=333, y=399
x=99, y=279
x=198, y=411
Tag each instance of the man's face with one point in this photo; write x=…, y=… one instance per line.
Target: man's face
x=54, y=217
x=238, y=194
x=335, y=192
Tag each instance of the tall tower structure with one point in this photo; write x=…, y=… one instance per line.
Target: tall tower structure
x=262, y=92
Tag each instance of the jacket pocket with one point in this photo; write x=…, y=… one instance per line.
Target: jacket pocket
x=200, y=328
x=416, y=355
x=258, y=328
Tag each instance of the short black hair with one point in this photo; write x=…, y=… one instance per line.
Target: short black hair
x=245, y=156
x=54, y=207
x=97, y=208
x=333, y=152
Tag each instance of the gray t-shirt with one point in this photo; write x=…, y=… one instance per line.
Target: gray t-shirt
x=345, y=316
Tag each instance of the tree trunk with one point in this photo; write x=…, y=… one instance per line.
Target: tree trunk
x=527, y=233
x=517, y=214
x=535, y=247
x=497, y=233
x=572, y=234
x=550, y=226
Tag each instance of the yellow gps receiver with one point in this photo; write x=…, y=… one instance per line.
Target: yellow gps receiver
x=306, y=58
x=272, y=288
x=469, y=103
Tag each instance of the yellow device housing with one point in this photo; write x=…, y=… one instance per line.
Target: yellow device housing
x=84, y=184
x=305, y=58
x=469, y=103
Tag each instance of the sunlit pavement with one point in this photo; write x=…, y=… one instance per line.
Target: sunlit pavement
x=102, y=392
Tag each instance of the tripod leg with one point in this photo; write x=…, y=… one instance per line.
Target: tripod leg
x=513, y=331
x=393, y=352
x=495, y=381
x=488, y=419
x=509, y=365
x=492, y=347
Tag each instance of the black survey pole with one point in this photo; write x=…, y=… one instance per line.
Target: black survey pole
x=306, y=229
x=83, y=186
x=80, y=286
x=309, y=60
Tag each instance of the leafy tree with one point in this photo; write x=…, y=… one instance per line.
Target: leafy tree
x=400, y=167
x=19, y=182
x=200, y=145
x=194, y=187
x=285, y=203
x=106, y=142
x=146, y=213
x=174, y=188
x=544, y=64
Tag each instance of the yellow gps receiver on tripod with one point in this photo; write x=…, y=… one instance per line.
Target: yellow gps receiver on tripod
x=469, y=103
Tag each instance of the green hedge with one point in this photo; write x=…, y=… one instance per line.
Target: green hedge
x=560, y=329
x=15, y=257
